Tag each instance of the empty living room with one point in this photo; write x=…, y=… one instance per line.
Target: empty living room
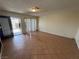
x=39, y=29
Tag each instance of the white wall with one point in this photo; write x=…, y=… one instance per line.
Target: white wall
x=62, y=23
x=13, y=14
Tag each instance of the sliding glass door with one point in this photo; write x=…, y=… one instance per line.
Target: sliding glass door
x=30, y=25
x=16, y=22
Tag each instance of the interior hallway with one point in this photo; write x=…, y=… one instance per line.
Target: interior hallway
x=40, y=46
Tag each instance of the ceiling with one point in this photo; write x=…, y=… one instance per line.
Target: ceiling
x=23, y=6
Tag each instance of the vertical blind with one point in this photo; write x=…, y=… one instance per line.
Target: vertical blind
x=30, y=24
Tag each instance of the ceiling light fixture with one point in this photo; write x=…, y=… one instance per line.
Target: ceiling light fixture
x=35, y=9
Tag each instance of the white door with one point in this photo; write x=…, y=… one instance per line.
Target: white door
x=77, y=38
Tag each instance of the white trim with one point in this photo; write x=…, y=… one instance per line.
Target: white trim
x=1, y=49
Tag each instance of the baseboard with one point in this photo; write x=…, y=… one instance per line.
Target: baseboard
x=57, y=35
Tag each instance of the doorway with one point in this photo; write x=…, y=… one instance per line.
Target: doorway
x=16, y=25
